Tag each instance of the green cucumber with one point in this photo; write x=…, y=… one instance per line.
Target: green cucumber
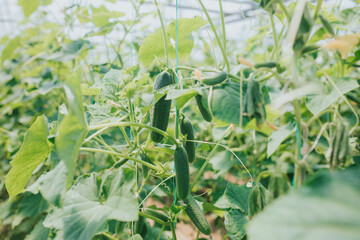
x=160, y=113
x=120, y=163
x=203, y=108
x=196, y=215
x=182, y=172
x=163, y=217
x=344, y=143
x=139, y=225
x=266, y=65
x=187, y=129
x=327, y=25
x=217, y=78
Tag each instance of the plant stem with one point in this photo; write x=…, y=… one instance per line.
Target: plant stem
x=120, y=155
x=282, y=6
x=202, y=169
x=108, y=236
x=164, y=33
x=122, y=124
x=154, y=218
x=216, y=36
x=318, y=7
x=223, y=24
x=276, y=43
x=173, y=231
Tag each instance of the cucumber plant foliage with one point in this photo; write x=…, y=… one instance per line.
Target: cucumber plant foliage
x=114, y=133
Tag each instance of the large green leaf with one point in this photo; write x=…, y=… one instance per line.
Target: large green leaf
x=73, y=127
x=29, y=6
x=39, y=232
x=235, y=221
x=318, y=103
x=51, y=184
x=181, y=95
x=225, y=102
x=101, y=15
x=153, y=45
x=327, y=208
x=10, y=48
x=86, y=210
x=33, y=151
x=277, y=137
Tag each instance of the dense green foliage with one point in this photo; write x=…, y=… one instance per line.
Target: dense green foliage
x=93, y=124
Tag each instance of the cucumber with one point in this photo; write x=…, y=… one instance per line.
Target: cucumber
x=159, y=114
x=182, y=173
x=327, y=25
x=266, y=65
x=163, y=217
x=187, y=129
x=196, y=215
x=217, y=78
x=344, y=143
x=139, y=225
x=203, y=108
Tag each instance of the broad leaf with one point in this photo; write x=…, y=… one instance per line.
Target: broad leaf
x=101, y=15
x=39, y=232
x=277, y=137
x=86, y=210
x=326, y=209
x=29, y=6
x=181, y=95
x=237, y=196
x=153, y=45
x=73, y=127
x=235, y=221
x=51, y=184
x=318, y=103
x=10, y=48
x=34, y=150
x=32, y=206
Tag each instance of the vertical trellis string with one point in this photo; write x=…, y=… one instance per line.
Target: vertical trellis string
x=131, y=34
x=177, y=81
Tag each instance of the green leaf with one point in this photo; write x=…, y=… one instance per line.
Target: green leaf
x=101, y=15
x=39, y=232
x=85, y=90
x=34, y=150
x=29, y=6
x=319, y=103
x=10, y=48
x=109, y=84
x=225, y=102
x=221, y=161
x=86, y=211
x=153, y=45
x=181, y=96
x=271, y=115
x=326, y=208
x=235, y=221
x=32, y=206
x=136, y=237
x=73, y=127
x=277, y=137
x=51, y=184
x=237, y=196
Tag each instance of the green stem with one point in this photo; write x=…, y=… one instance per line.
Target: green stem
x=122, y=124
x=276, y=44
x=154, y=218
x=120, y=155
x=318, y=7
x=216, y=36
x=125, y=136
x=173, y=231
x=164, y=33
x=223, y=25
x=202, y=169
x=108, y=236
x=282, y=6
x=161, y=231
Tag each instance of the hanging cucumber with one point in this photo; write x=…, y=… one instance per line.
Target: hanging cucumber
x=217, y=78
x=266, y=65
x=159, y=114
x=163, y=217
x=182, y=173
x=204, y=110
x=187, y=129
x=196, y=215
